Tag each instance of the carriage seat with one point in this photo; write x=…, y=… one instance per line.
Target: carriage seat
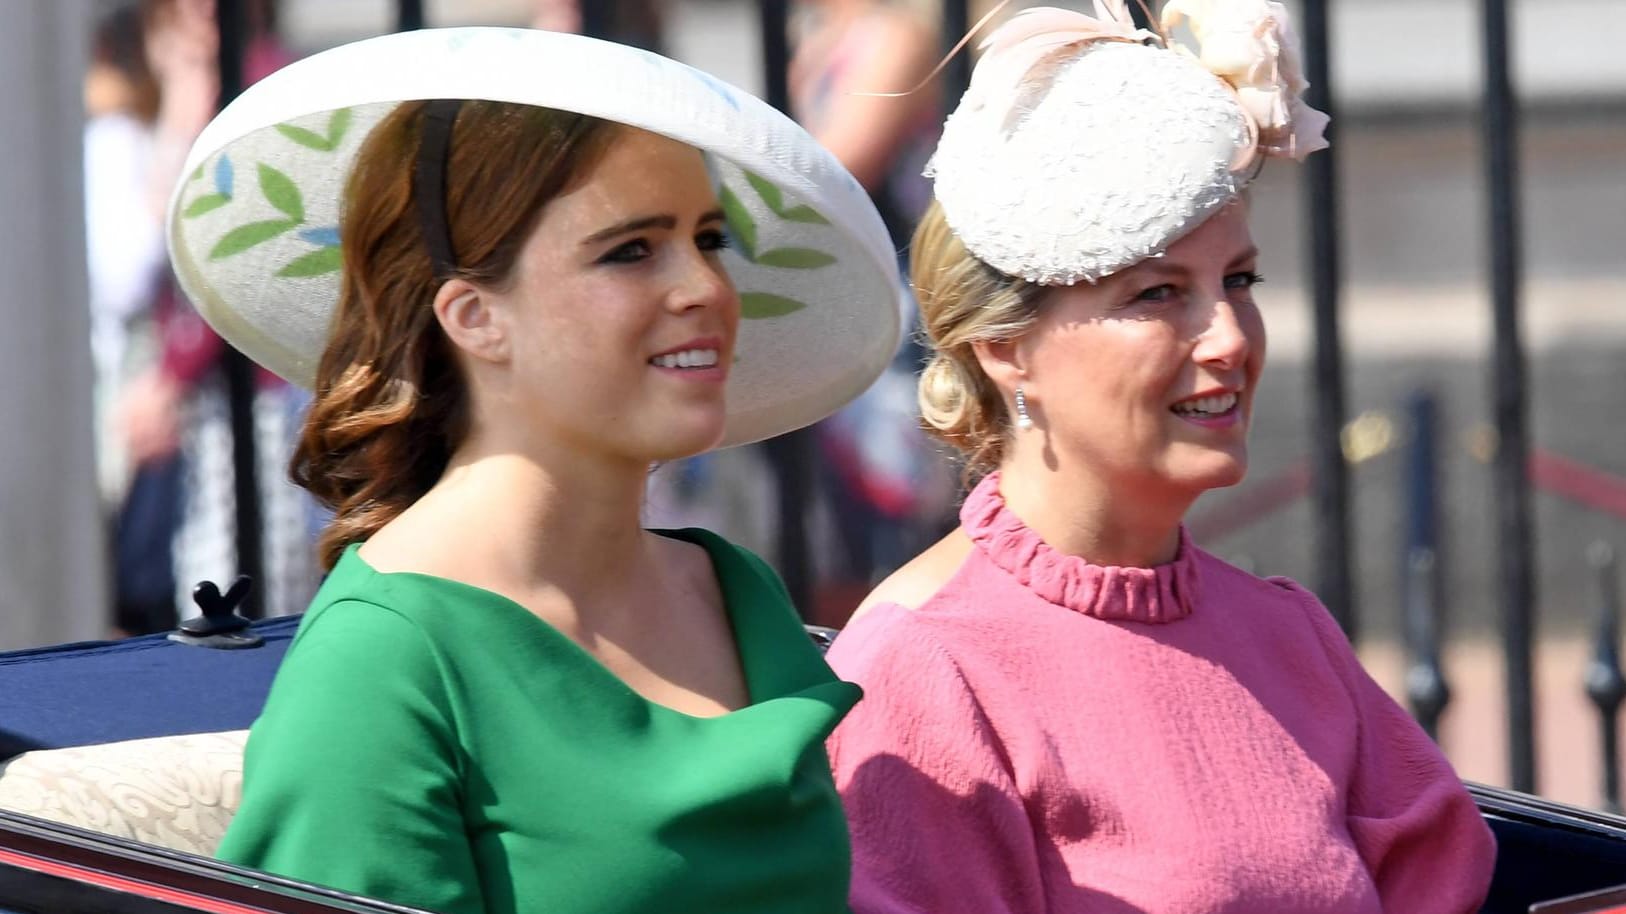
x=177, y=792
x=109, y=759
x=140, y=738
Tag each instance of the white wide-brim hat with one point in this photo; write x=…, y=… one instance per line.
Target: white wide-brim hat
x=253, y=223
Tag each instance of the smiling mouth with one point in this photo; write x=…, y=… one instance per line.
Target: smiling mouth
x=687, y=358
x=1206, y=407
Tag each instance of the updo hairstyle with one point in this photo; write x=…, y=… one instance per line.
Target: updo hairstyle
x=964, y=301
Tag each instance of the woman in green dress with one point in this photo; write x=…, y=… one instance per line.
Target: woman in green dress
x=502, y=260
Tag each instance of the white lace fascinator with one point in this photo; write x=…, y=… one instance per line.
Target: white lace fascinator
x=1085, y=145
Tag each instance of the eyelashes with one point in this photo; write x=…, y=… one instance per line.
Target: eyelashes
x=1164, y=292
x=639, y=249
x=626, y=252
x=714, y=240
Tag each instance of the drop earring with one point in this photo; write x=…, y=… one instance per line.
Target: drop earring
x=1023, y=420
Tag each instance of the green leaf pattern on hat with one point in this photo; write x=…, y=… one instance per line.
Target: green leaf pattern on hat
x=743, y=226
x=319, y=262
x=762, y=305
x=284, y=195
x=321, y=142
x=244, y=237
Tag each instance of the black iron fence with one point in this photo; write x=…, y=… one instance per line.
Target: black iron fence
x=1327, y=476
x=238, y=370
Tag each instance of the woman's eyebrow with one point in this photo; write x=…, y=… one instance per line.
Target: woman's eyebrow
x=661, y=221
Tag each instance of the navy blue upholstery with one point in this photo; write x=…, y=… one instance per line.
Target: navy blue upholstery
x=105, y=691
x=1548, y=850
x=1538, y=862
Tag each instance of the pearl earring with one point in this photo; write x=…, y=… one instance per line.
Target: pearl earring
x=1023, y=420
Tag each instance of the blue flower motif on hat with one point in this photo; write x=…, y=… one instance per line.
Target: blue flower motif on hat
x=461, y=39
x=718, y=86
x=221, y=196
x=327, y=236
x=325, y=259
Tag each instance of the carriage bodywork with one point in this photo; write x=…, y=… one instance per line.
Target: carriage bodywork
x=141, y=688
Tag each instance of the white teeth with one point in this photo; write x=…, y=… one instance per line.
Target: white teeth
x=1207, y=406
x=688, y=358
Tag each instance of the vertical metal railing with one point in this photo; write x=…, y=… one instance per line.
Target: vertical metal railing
x=1334, y=545
x=955, y=22
x=1605, y=685
x=597, y=18
x=790, y=455
x=238, y=371
x=409, y=15
x=1427, y=691
x=1422, y=573
x=775, y=26
x=1516, y=537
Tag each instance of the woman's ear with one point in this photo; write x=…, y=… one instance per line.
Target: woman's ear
x=1003, y=361
x=468, y=317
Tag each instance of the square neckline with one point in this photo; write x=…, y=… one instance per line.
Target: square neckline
x=734, y=582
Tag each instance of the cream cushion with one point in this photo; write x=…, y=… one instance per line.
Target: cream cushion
x=177, y=792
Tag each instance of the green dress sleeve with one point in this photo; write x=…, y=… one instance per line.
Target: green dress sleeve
x=766, y=573
x=352, y=772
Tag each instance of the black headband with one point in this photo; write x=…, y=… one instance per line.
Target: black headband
x=429, y=182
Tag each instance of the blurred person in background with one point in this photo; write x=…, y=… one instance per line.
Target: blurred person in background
x=179, y=406
x=139, y=479
x=183, y=48
x=885, y=484
x=639, y=23
x=847, y=53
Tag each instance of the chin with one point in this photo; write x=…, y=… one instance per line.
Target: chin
x=679, y=440
x=1226, y=479
x=1214, y=470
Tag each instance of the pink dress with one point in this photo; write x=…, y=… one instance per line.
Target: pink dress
x=1047, y=735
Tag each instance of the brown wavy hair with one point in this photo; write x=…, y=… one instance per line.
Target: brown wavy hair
x=390, y=403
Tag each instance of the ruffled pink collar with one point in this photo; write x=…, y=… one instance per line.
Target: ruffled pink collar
x=1164, y=593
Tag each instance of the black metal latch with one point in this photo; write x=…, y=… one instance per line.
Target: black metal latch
x=221, y=626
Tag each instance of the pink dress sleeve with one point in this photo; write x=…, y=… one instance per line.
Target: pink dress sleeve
x=937, y=822
x=1413, y=823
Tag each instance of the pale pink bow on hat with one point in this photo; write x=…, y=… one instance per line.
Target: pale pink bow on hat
x=1033, y=34
x=1251, y=45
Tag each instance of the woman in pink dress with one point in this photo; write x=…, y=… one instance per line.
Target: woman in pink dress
x=1070, y=707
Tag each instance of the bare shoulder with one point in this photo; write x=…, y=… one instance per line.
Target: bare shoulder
x=410, y=544
x=921, y=577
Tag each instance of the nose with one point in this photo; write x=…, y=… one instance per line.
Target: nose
x=702, y=283
x=1227, y=340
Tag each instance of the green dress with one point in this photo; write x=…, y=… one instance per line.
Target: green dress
x=433, y=744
